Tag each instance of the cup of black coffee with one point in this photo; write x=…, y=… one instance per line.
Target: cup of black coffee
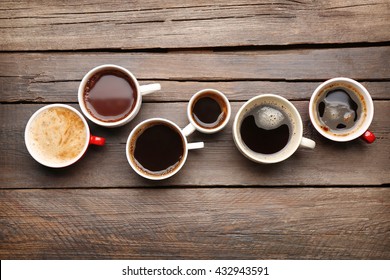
x=110, y=96
x=341, y=109
x=157, y=148
x=269, y=129
x=208, y=112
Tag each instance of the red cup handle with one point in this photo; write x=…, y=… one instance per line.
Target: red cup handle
x=96, y=140
x=368, y=136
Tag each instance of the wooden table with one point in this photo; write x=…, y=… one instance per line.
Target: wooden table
x=327, y=203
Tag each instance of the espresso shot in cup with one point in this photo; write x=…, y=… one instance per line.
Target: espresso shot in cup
x=341, y=109
x=208, y=111
x=268, y=129
x=57, y=136
x=157, y=149
x=110, y=96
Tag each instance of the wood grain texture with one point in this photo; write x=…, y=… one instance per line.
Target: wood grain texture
x=220, y=205
x=14, y=90
x=259, y=223
x=218, y=164
x=54, y=25
x=55, y=77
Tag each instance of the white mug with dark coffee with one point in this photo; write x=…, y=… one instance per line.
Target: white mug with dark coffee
x=110, y=95
x=268, y=129
x=341, y=109
x=157, y=148
x=208, y=111
x=58, y=135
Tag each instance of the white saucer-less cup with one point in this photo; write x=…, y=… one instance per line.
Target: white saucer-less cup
x=295, y=141
x=138, y=130
x=139, y=92
x=225, y=107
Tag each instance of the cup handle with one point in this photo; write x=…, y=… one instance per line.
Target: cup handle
x=307, y=143
x=96, y=140
x=368, y=136
x=196, y=145
x=189, y=129
x=146, y=89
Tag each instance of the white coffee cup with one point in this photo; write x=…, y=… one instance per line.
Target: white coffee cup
x=60, y=148
x=139, y=129
x=361, y=96
x=295, y=140
x=225, y=107
x=139, y=92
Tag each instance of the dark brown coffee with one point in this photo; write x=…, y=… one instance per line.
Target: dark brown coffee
x=265, y=130
x=339, y=109
x=209, y=110
x=158, y=149
x=110, y=95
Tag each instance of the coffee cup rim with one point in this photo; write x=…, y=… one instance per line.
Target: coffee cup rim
x=144, y=174
x=280, y=155
x=28, y=142
x=369, y=110
x=219, y=127
x=81, y=102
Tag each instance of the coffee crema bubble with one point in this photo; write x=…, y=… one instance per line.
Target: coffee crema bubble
x=110, y=95
x=339, y=109
x=265, y=129
x=57, y=135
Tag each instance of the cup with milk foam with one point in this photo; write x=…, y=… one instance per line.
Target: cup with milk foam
x=268, y=129
x=57, y=135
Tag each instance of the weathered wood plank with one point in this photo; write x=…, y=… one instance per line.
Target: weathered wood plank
x=219, y=164
x=54, y=77
x=15, y=90
x=258, y=223
x=319, y=64
x=48, y=25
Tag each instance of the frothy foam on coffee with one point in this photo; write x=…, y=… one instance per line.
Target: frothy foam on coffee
x=266, y=129
x=339, y=109
x=57, y=135
x=268, y=117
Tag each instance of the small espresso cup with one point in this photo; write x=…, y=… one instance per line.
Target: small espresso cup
x=269, y=129
x=157, y=148
x=57, y=135
x=110, y=95
x=208, y=111
x=341, y=109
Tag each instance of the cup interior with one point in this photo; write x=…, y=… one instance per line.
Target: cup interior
x=131, y=146
x=109, y=69
x=209, y=110
x=294, y=124
x=358, y=93
x=57, y=135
